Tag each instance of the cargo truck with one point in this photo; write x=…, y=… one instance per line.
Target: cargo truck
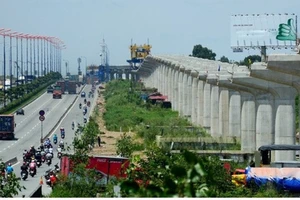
x=7, y=127
x=57, y=94
x=62, y=85
x=72, y=87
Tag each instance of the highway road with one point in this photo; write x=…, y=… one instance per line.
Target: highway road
x=28, y=132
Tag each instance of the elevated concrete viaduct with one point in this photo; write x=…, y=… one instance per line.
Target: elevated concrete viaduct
x=256, y=105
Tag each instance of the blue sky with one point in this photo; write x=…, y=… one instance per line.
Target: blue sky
x=172, y=26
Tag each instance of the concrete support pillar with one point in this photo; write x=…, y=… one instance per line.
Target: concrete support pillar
x=285, y=127
x=159, y=82
x=200, y=91
x=224, y=112
x=180, y=91
x=164, y=91
x=214, y=128
x=195, y=97
x=185, y=94
x=234, y=114
x=168, y=83
x=175, y=101
x=206, y=106
x=264, y=120
x=248, y=130
x=188, y=97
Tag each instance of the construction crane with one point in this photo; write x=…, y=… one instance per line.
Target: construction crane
x=138, y=54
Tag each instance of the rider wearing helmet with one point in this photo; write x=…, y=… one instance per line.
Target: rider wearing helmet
x=9, y=169
x=32, y=165
x=32, y=150
x=54, y=138
x=24, y=168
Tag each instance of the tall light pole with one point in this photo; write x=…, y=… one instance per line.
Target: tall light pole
x=67, y=70
x=17, y=56
x=85, y=63
x=2, y=32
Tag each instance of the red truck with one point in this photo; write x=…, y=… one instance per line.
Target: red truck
x=7, y=127
x=57, y=93
x=108, y=166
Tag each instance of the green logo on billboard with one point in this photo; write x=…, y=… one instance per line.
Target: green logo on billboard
x=287, y=32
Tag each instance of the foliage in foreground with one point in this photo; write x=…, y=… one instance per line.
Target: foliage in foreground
x=9, y=187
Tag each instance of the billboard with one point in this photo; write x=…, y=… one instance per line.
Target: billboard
x=256, y=30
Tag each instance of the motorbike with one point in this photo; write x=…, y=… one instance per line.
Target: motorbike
x=47, y=177
x=59, y=155
x=38, y=163
x=63, y=135
x=48, y=162
x=43, y=159
x=55, y=140
x=32, y=172
x=84, y=120
x=24, y=175
x=62, y=146
x=79, y=106
x=73, y=125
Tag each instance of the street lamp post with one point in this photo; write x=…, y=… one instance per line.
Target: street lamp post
x=67, y=64
x=2, y=32
x=85, y=62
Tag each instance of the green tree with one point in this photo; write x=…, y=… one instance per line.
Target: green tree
x=251, y=59
x=224, y=59
x=203, y=52
x=9, y=187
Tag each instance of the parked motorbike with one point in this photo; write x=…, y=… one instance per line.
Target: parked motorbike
x=43, y=159
x=24, y=175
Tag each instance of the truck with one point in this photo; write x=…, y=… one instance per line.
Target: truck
x=57, y=93
x=62, y=85
x=107, y=166
x=72, y=87
x=7, y=127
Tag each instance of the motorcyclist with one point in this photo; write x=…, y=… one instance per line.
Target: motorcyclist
x=73, y=124
x=59, y=150
x=9, y=169
x=32, y=165
x=54, y=138
x=27, y=156
x=51, y=151
x=61, y=144
x=49, y=157
x=80, y=105
x=24, y=168
x=32, y=150
x=38, y=156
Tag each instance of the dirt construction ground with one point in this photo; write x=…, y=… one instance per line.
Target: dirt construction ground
x=109, y=138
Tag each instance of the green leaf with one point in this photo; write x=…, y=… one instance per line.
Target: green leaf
x=178, y=171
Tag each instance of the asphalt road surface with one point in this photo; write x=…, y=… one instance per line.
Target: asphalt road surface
x=28, y=132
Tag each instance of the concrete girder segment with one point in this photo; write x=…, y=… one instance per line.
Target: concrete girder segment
x=277, y=112
x=288, y=64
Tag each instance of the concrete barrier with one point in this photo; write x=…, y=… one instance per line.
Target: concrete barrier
x=37, y=192
x=12, y=161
